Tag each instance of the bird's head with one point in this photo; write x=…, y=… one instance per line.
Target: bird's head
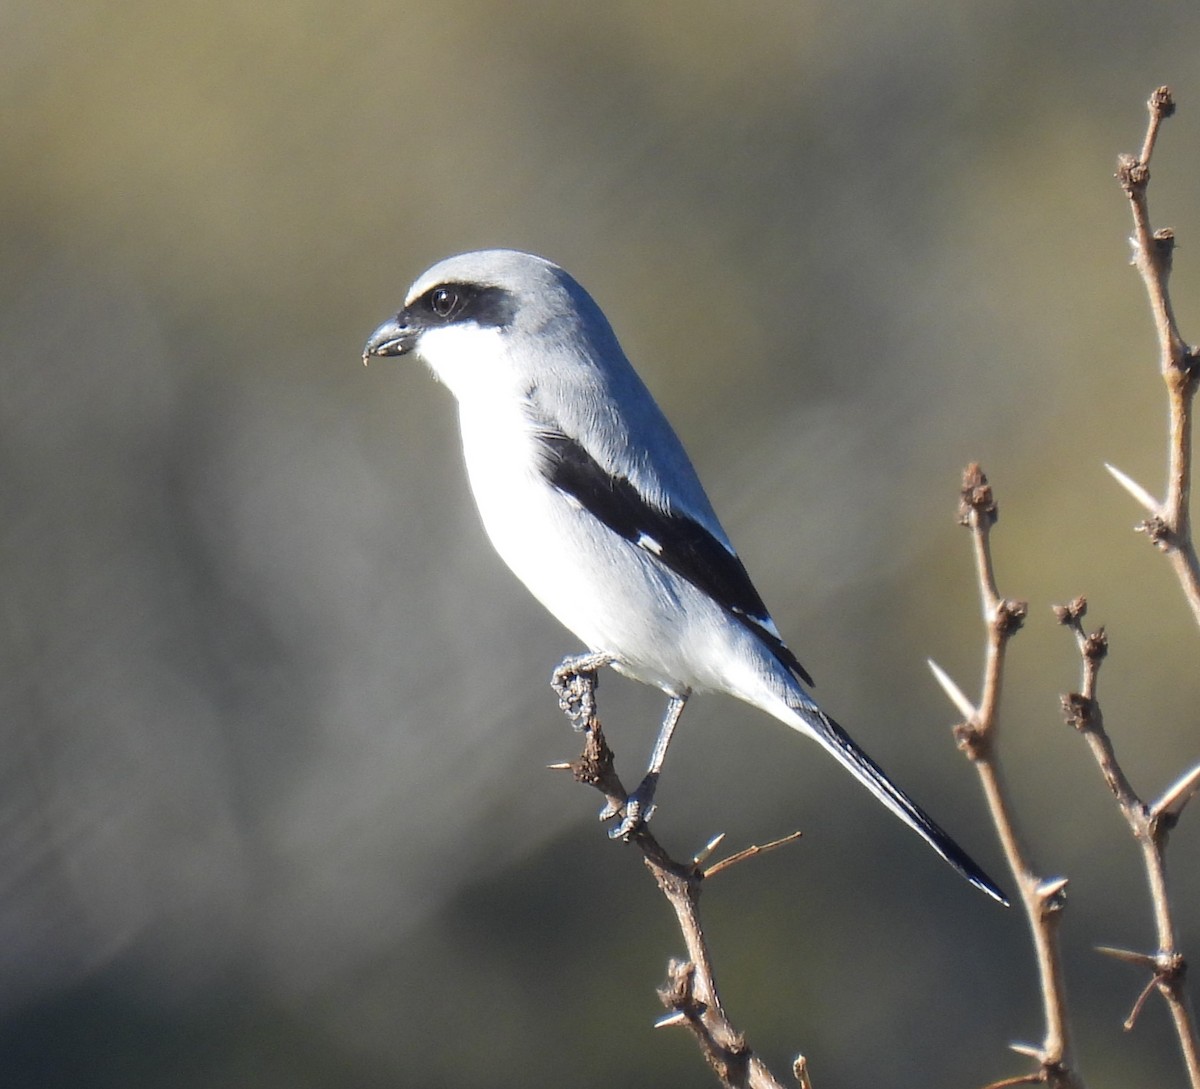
x=493, y=320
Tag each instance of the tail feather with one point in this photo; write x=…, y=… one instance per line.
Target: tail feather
x=872, y=776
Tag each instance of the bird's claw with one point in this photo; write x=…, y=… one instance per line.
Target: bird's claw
x=574, y=682
x=638, y=809
x=577, y=699
x=634, y=821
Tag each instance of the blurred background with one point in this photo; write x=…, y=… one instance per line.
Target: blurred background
x=274, y=808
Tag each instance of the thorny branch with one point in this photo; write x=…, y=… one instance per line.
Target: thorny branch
x=1151, y=825
x=690, y=992
x=1169, y=524
x=1043, y=899
x=1169, y=527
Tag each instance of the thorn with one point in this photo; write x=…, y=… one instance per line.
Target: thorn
x=706, y=852
x=1028, y=1050
x=1052, y=889
x=564, y=766
x=1134, y=244
x=1128, y=956
x=675, y=1017
x=1177, y=796
x=800, y=1072
x=1134, y=488
x=965, y=707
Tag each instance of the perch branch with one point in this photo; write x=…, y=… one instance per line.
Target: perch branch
x=690, y=992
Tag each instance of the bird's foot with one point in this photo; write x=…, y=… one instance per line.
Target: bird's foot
x=638, y=809
x=575, y=682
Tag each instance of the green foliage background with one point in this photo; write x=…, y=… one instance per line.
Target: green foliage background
x=272, y=806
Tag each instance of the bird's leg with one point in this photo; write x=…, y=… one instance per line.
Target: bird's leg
x=639, y=806
x=575, y=683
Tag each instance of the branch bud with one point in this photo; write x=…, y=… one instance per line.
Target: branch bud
x=1162, y=102
x=1072, y=612
x=1078, y=710
x=1010, y=615
x=976, y=498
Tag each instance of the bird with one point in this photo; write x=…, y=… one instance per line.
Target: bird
x=587, y=494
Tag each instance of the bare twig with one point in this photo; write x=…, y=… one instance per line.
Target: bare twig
x=1169, y=524
x=1150, y=825
x=690, y=992
x=1043, y=899
x=750, y=852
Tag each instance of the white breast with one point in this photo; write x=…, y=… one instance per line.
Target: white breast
x=614, y=595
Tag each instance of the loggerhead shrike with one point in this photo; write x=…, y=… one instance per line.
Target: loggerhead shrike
x=588, y=495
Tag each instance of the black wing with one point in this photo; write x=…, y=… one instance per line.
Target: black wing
x=675, y=540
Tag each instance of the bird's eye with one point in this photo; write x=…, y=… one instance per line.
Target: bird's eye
x=443, y=301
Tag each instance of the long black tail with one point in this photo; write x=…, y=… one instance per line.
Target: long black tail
x=872, y=776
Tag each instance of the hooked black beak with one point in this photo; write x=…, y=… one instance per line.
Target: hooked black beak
x=394, y=337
